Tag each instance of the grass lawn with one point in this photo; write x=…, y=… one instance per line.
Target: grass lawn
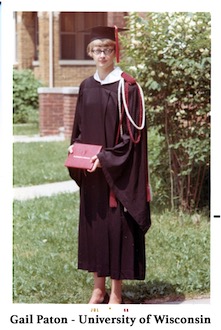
x=45, y=255
x=39, y=162
x=26, y=129
x=46, y=233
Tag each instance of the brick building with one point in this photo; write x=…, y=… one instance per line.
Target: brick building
x=51, y=44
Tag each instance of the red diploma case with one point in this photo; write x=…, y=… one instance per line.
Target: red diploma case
x=81, y=156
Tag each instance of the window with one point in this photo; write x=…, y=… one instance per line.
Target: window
x=73, y=42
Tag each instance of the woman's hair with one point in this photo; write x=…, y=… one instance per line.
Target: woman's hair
x=100, y=43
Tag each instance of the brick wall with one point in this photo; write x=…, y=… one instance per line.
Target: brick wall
x=43, y=23
x=69, y=106
x=57, y=110
x=25, y=42
x=116, y=18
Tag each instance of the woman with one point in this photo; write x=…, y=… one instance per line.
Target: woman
x=114, y=199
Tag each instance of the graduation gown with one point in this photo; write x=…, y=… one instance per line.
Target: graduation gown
x=111, y=239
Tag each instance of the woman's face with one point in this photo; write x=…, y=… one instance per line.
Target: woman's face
x=103, y=53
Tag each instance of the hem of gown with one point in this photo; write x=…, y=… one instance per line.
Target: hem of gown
x=124, y=275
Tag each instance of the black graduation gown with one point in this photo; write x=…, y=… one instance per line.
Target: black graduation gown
x=111, y=240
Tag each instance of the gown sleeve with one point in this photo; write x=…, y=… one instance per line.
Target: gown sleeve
x=125, y=168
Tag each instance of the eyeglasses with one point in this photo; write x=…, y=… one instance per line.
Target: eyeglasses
x=106, y=51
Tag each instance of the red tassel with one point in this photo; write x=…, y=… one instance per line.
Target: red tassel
x=117, y=44
x=149, y=195
x=112, y=199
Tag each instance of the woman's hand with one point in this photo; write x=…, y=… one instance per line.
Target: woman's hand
x=70, y=149
x=94, y=160
x=96, y=164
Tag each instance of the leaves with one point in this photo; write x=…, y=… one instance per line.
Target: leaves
x=25, y=94
x=169, y=54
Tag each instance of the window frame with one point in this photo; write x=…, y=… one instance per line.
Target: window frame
x=81, y=24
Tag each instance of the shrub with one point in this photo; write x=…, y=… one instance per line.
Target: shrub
x=158, y=168
x=169, y=54
x=25, y=95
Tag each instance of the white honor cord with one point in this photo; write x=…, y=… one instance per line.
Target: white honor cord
x=119, y=106
x=122, y=87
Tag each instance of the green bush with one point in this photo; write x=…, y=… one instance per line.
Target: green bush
x=158, y=170
x=170, y=55
x=25, y=95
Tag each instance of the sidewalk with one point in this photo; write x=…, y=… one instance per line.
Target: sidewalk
x=48, y=189
x=38, y=138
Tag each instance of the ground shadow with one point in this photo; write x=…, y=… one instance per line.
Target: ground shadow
x=155, y=292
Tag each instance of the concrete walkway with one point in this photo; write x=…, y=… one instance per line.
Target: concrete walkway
x=38, y=138
x=49, y=189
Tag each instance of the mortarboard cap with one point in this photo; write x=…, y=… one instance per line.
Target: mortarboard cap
x=106, y=32
x=103, y=32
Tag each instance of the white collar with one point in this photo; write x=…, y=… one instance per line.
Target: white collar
x=112, y=77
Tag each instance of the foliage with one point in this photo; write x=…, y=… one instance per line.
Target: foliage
x=45, y=255
x=158, y=167
x=169, y=54
x=25, y=95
